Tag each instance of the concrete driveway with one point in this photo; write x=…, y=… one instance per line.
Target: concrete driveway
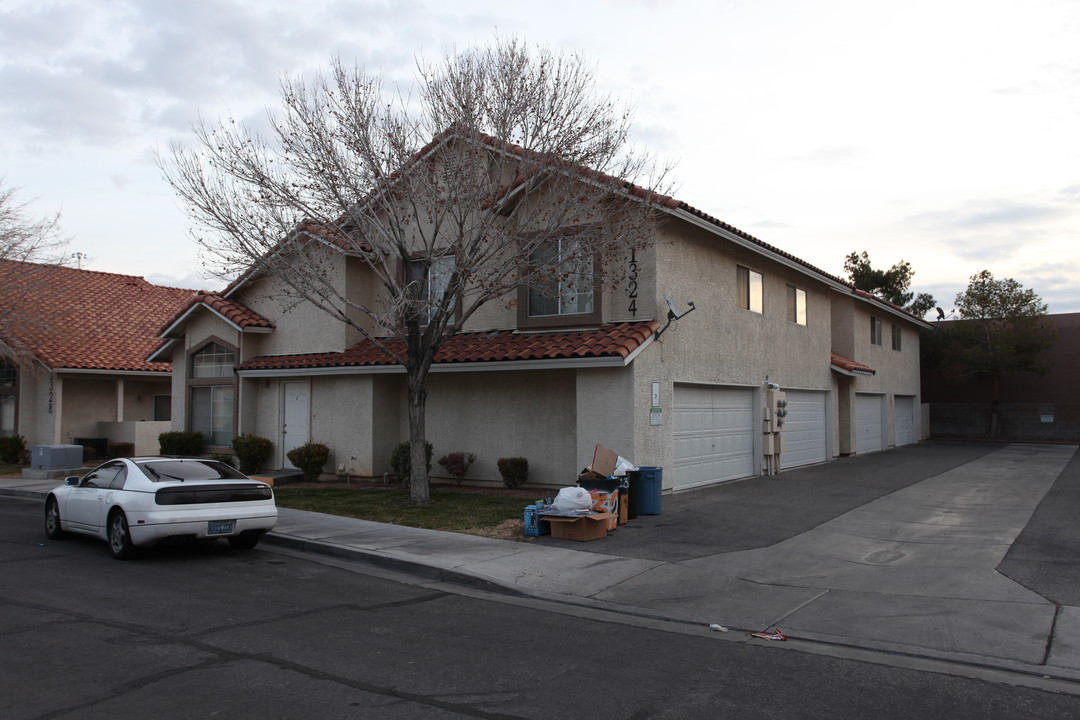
x=899, y=550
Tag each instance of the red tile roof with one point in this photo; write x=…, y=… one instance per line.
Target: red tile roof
x=239, y=315
x=69, y=318
x=850, y=366
x=613, y=340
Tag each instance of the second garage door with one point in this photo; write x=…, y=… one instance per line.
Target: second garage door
x=869, y=432
x=805, y=435
x=714, y=434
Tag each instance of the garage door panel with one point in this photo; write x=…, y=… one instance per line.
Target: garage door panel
x=904, y=419
x=869, y=436
x=806, y=429
x=714, y=438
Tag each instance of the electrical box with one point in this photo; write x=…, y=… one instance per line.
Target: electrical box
x=56, y=457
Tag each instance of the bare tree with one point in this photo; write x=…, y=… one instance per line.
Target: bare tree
x=23, y=239
x=503, y=168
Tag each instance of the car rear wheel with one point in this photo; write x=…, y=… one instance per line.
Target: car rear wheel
x=53, y=529
x=120, y=544
x=246, y=540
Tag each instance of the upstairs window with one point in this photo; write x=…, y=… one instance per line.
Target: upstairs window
x=796, y=305
x=434, y=278
x=875, y=331
x=750, y=290
x=897, y=336
x=572, y=289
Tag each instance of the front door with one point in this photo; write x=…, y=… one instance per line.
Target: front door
x=296, y=418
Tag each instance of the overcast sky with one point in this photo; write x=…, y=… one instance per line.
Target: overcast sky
x=945, y=132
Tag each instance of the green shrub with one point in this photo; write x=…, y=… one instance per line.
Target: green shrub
x=11, y=448
x=225, y=458
x=121, y=449
x=514, y=471
x=251, y=452
x=89, y=454
x=181, y=442
x=457, y=464
x=400, y=463
x=310, y=458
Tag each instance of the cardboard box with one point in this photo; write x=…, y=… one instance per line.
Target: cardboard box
x=604, y=461
x=586, y=527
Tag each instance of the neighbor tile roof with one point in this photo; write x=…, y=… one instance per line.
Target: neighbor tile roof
x=613, y=340
x=69, y=318
x=851, y=366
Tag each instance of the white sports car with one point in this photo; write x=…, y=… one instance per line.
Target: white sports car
x=135, y=502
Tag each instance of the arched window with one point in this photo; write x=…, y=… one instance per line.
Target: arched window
x=212, y=393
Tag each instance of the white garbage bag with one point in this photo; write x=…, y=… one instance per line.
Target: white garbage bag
x=572, y=499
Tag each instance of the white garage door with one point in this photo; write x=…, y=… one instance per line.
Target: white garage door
x=904, y=419
x=805, y=430
x=868, y=423
x=714, y=434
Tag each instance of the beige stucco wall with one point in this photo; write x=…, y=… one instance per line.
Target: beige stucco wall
x=720, y=343
x=86, y=402
x=897, y=372
x=38, y=418
x=143, y=434
x=530, y=414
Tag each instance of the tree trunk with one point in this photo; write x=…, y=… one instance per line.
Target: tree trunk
x=419, y=488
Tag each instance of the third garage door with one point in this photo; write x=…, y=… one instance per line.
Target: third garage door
x=714, y=434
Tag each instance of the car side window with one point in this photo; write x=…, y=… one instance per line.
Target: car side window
x=102, y=477
x=118, y=481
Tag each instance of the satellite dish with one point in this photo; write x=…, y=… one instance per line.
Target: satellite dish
x=674, y=313
x=940, y=314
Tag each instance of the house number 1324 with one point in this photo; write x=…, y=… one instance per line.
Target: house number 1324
x=631, y=289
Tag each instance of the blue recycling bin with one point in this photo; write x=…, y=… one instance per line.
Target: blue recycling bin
x=650, y=485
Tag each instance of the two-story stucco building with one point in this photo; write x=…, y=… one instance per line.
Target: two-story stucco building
x=549, y=384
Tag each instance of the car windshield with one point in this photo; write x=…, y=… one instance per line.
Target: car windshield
x=159, y=470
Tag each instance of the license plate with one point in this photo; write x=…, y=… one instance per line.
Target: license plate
x=220, y=527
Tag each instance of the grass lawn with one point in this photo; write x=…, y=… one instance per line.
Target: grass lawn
x=10, y=469
x=476, y=514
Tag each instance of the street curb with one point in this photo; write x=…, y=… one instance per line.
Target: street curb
x=370, y=557
x=16, y=492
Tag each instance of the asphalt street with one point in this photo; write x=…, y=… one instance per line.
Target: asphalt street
x=202, y=631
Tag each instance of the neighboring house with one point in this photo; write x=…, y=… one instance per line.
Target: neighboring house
x=550, y=382
x=73, y=347
x=1033, y=407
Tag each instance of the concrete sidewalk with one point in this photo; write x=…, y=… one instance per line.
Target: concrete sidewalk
x=895, y=551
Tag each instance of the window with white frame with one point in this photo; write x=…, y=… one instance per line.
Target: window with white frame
x=434, y=278
x=875, y=331
x=796, y=305
x=212, y=394
x=571, y=287
x=750, y=289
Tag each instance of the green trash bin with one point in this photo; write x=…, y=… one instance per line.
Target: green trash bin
x=649, y=486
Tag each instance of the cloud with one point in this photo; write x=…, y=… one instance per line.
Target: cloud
x=988, y=214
